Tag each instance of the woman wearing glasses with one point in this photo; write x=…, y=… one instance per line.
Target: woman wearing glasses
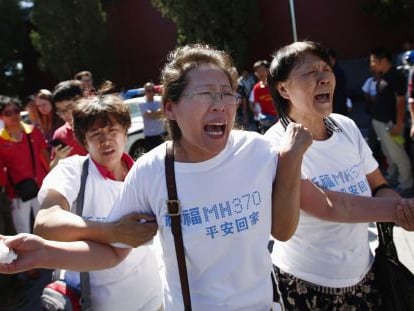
x=24, y=153
x=229, y=204
x=228, y=211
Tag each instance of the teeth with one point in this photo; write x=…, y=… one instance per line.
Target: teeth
x=215, y=133
x=216, y=124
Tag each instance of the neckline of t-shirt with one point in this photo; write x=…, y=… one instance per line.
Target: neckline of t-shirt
x=208, y=164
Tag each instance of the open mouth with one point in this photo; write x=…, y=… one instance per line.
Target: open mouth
x=322, y=98
x=215, y=129
x=108, y=151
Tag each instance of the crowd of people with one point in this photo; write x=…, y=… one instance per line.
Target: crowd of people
x=315, y=206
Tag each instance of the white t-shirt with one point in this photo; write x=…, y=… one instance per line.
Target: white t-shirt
x=328, y=253
x=135, y=283
x=226, y=221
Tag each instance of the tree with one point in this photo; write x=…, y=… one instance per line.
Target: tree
x=11, y=46
x=397, y=13
x=226, y=24
x=71, y=36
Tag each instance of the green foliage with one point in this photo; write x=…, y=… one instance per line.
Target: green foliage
x=11, y=46
x=225, y=24
x=71, y=36
x=396, y=13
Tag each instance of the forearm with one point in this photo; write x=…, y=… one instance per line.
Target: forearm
x=80, y=256
x=57, y=224
x=286, y=196
x=157, y=114
x=347, y=208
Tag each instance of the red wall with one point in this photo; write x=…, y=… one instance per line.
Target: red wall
x=340, y=24
x=142, y=37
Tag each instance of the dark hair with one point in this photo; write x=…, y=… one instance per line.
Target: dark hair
x=81, y=74
x=282, y=64
x=102, y=109
x=28, y=99
x=7, y=100
x=381, y=53
x=260, y=63
x=331, y=52
x=67, y=90
x=179, y=63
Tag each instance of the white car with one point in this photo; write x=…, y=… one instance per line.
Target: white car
x=135, y=143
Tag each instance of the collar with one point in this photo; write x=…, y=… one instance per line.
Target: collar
x=27, y=129
x=109, y=175
x=330, y=125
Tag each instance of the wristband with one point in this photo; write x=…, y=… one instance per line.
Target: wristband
x=380, y=187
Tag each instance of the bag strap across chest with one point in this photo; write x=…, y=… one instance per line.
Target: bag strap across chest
x=174, y=211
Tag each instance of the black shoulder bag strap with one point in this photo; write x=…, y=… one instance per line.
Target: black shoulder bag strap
x=85, y=285
x=175, y=213
x=29, y=140
x=386, y=239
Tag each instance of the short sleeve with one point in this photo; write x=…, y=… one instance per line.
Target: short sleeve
x=64, y=178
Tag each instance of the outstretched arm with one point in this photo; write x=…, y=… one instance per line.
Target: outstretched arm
x=35, y=252
x=55, y=222
x=287, y=186
x=348, y=208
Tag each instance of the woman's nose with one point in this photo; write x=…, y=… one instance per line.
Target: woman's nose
x=325, y=77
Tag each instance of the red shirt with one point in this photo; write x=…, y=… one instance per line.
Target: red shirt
x=17, y=159
x=65, y=134
x=261, y=95
x=126, y=158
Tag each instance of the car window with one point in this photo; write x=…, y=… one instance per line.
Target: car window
x=134, y=110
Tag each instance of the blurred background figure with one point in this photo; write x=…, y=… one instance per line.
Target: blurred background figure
x=151, y=110
x=24, y=155
x=245, y=84
x=65, y=99
x=85, y=77
x=340, y=97
x=389, y=118
x=29, y=105
x=407, y=45
x=369, y=91
x=261, y=101
x=48, y=119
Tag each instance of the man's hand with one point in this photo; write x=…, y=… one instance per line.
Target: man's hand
x=397, y=129
x=135, y=229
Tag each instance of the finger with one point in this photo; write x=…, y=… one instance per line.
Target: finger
x=409, y=215
x=401, y=216
x=143, y=217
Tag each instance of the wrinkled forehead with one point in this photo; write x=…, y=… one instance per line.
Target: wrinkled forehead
x=207, y=74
